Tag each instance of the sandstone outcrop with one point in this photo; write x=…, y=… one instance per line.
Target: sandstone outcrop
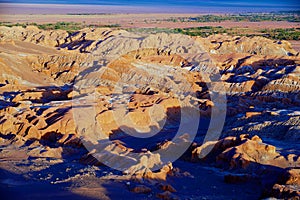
x=68, y=94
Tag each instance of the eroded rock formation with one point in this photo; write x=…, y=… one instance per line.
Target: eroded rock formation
x=65, y=93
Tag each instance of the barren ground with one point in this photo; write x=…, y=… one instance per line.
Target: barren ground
x=43, y=155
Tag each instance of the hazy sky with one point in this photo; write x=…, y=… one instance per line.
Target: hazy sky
x=277, y=3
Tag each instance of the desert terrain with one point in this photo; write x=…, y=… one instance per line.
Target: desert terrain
x=139, y=20
x=120, y=113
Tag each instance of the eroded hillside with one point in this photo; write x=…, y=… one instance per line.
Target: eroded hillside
x=97, y=101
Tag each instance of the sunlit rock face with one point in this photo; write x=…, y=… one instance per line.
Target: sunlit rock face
x=102, y=94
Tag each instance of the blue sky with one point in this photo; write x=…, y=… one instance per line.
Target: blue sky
x=272, y=3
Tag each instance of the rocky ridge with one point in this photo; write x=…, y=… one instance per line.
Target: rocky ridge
x=141, y=88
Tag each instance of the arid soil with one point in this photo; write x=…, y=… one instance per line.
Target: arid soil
x=295, y=44
x=93, y=114
x=140, y=21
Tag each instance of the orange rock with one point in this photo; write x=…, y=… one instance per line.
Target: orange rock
x=256, y=138
x=167, y=188
x=252, y=114
x=251, y=152
x=141, y=189
x=291, y=177
x=167, y=196
x=161, y=175
x=284, y=192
